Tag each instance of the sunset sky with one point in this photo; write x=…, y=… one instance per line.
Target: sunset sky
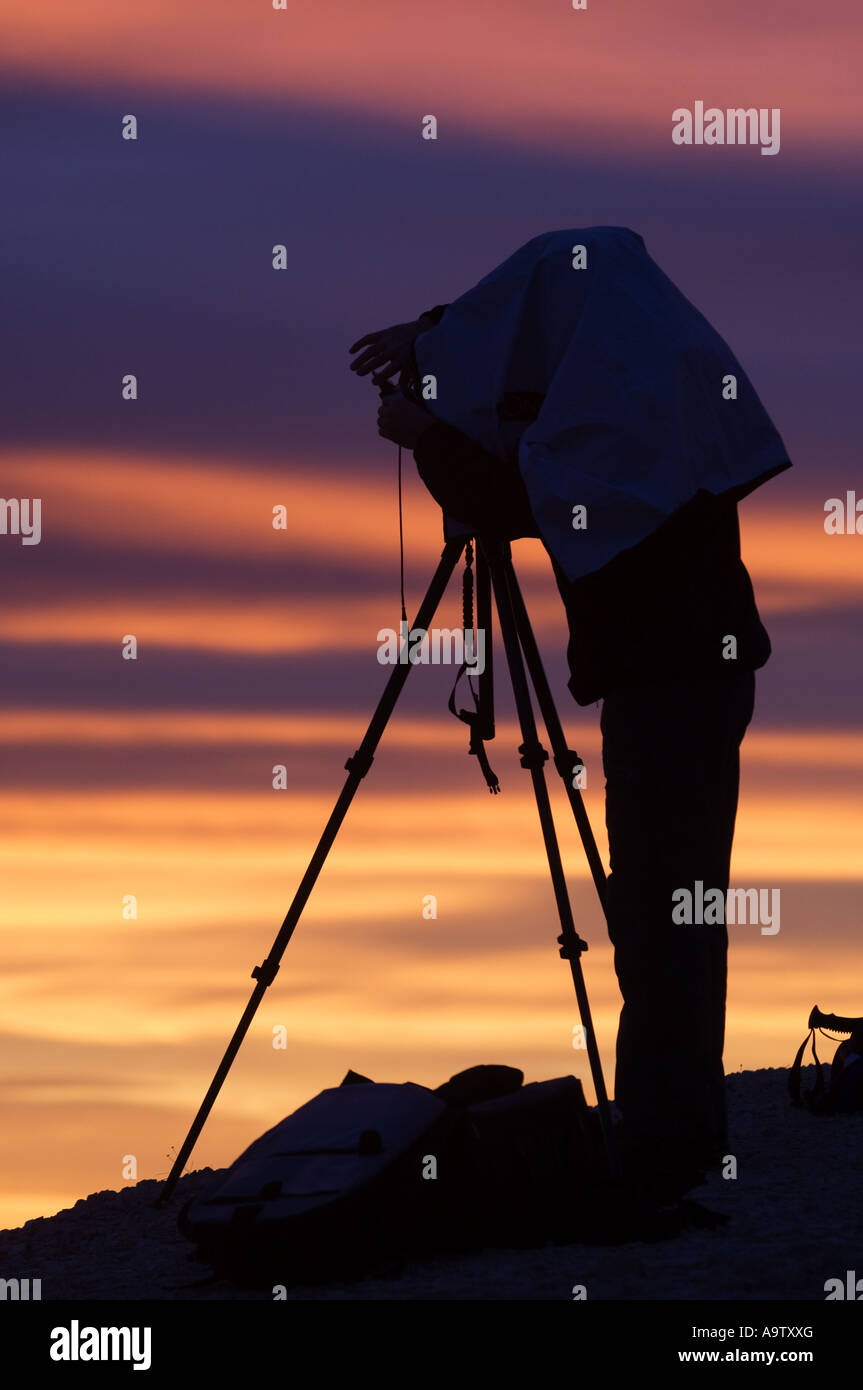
x=258, y=647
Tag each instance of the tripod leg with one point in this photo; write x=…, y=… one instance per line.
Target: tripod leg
x=357, y=766
x=565, y=760
x=533, y=758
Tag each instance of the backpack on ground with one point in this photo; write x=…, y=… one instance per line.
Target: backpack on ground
x=844, y=1093
x=367, y=1173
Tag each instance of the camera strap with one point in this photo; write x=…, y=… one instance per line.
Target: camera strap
x=472, y=717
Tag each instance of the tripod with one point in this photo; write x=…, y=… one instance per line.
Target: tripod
x=494, y=565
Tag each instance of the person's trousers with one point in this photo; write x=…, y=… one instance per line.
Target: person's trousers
x=671, y=760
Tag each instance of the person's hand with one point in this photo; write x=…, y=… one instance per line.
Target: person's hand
x=402, y=421
x=387, y=351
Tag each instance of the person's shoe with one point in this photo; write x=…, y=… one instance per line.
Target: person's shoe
x=657, y=1179
x=673, y=1184
x=663, y=1222
x=620, y=1213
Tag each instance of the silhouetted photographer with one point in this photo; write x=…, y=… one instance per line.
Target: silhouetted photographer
x=576, y=396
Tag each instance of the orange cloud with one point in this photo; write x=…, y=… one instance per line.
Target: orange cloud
x=128, y=1017
x=134, y=502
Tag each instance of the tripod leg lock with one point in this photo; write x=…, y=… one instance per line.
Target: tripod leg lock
x=533, y=755
x=571, y=947
x=266, y=972
x=359, y=763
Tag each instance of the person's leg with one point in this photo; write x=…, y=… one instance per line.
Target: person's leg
x=671, y=762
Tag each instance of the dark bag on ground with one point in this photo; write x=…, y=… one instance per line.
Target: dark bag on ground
x=844, y=1093
x=366, y=1174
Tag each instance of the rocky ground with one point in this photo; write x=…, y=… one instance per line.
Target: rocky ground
x=796, y=1221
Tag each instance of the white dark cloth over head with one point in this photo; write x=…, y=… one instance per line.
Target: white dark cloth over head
x=634, y=419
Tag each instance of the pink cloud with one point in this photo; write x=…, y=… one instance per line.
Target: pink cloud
x=524, y=72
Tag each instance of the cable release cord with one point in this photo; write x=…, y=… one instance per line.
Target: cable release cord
x=386, y=388
x=402, y=545
x=469, y=717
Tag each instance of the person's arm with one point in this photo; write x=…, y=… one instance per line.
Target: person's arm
x=429, y=317
x=390, y=350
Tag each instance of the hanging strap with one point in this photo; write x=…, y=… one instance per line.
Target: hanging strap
x=472, y=717
x=794, y=1074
